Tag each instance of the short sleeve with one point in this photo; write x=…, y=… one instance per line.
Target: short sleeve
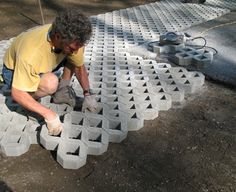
x=25, y=78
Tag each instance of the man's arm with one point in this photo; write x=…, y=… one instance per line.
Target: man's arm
x=90, y=102
x=82, y=76
x=29, y=103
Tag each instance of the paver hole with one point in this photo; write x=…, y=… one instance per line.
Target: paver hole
x=132, y=99
x=76, y=136
x=187, y=82
x=134, y=116
x=176, y=89
x=149, y=106
x=163, y=97
x=96, y=138
x=75, y=152
x=133, y=107
x=115, y=125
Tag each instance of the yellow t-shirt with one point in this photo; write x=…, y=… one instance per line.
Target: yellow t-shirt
x=30, y=55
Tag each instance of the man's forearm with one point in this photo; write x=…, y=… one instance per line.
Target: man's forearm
x=29, y=103
x=82, y=76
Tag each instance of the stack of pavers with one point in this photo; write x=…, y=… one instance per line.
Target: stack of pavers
x=129, y=88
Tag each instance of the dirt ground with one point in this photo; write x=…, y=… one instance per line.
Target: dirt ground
x=191, y=148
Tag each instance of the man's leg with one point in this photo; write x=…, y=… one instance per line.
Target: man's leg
x=47, y=86
x=65, y=93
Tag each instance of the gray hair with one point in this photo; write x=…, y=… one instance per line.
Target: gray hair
x=72, y=25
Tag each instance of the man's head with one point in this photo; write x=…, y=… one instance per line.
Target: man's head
x=72, y=30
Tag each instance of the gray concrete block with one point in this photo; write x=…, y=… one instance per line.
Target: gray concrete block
x=202, y=61
x=143, y=90
x=164, y=101
x=97, y=141
x=49, y=142
x=125, y=99
x=95, y=121
x=6, y=119
x=33, y=131
x=160, y=67
x=2, y=133
x=189, y=85
x=78, y=118
x=177, y=93
x=159, y=49
x=4, y=109
x=150, y=110
x=75, y=133
x=67, y=120
x=198, y=78
x=18, y=121
x=71, y=154
x=183, y=59
x=179, y=72
x=117, y=129
x=15, y=143
x=110, y=99
x=135, y=121
x=2, y=99
x=60, y=109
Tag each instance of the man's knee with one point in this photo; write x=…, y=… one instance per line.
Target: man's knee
x=48, y=83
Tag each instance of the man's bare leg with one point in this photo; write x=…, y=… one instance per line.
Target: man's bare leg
x=47, y=86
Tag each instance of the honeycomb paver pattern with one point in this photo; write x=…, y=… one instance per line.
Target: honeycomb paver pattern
x=229, y=4
x=129, y=89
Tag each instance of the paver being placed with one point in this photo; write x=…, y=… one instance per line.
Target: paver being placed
x=129, y=88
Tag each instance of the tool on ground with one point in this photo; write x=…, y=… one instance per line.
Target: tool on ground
x=172, y=38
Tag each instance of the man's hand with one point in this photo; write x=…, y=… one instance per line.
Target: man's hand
x=54, y=126
x=90, y=103
x=28, y=102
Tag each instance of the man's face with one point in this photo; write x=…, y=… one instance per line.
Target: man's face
x=70, y=48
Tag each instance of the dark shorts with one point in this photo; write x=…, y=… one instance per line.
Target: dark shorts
x=7, y=75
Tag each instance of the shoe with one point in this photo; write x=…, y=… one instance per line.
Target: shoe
x=65, y=95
